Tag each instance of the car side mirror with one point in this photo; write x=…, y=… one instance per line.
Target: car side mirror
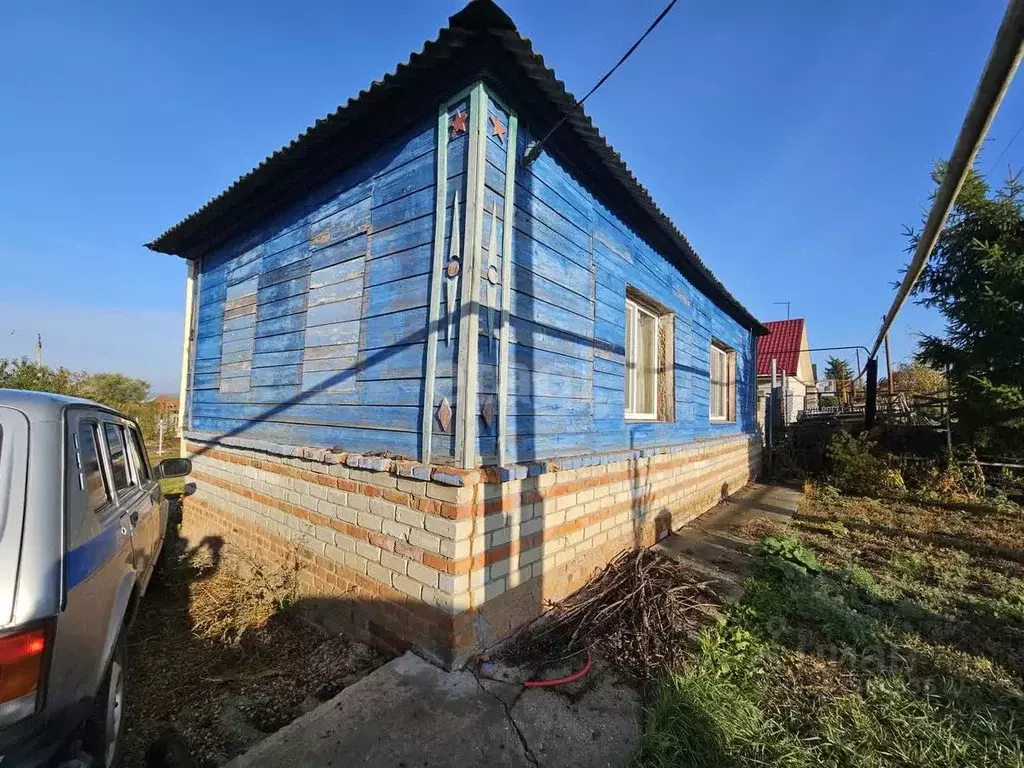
x=174, y=467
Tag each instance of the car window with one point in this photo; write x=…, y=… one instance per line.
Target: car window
x=118, y=461
x=138, y=455
x=90, y=472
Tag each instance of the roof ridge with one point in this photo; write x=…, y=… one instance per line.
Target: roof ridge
x=479, y=17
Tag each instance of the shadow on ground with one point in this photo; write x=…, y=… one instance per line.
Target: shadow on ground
x=219, y=658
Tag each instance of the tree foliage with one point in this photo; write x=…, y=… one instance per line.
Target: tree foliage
x=976, y=280
x=838, y=369
x=20, y=373
x=116, y=390
x=916, y=378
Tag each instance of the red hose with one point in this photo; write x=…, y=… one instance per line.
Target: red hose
x=562, y=680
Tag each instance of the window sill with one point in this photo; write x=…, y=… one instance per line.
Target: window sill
x=640, y=417
x=713, y=420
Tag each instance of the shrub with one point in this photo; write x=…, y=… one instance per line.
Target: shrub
x=858, y=470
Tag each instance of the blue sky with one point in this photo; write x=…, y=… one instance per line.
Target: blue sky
x=790, y=141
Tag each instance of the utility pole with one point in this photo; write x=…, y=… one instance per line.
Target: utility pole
x=856, y=378
x=39, y=350
x=949, y=425
x=888, y=365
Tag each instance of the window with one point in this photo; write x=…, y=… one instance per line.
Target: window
x=641, y=362
x=138, y=454
x=723, y=383
x=90, y=474
x=118, y=460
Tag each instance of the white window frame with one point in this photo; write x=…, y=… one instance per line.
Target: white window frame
x=727, y=401
x=633, y=312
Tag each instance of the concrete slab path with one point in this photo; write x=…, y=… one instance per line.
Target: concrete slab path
x=410, y=713
x=710, y=544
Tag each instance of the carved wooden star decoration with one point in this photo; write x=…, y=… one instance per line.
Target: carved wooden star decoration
x=498, y=129
x=458, y=123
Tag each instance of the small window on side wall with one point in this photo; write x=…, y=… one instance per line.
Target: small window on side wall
x=650, y=390
x=722, y=401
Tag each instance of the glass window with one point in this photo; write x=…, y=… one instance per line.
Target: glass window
x=641, y=362
x=118, y=461
x=138, y=455
x=723, y=383
x=90, y=473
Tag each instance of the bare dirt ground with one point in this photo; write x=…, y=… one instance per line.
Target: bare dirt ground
x=218, y=658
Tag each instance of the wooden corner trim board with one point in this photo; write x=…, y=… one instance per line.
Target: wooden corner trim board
x=506, y=281
x=436, y=279
x=187, y=366
x=469, y=301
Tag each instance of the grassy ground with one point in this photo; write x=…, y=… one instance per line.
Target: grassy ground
x=871, y=634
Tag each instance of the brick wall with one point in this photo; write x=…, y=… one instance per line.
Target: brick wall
x=447, y=560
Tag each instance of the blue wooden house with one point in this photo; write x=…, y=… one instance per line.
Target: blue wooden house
x=413, y=279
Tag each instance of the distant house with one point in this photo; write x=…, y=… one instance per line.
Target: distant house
x=455, y=374
x=787, y=344
x=167, y=408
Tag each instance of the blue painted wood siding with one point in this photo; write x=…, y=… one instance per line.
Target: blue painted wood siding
x=572, y=260
x=311, y=330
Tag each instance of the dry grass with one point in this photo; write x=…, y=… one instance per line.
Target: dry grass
x=239, y=598
x=220, y=655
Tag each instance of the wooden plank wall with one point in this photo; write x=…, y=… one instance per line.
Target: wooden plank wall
x=311, y=331
x=572, y=260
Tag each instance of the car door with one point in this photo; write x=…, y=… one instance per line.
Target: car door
x=133, y=502
x=99, y=561
x=152, y=523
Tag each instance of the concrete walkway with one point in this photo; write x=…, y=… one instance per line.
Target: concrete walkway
x=710, y=544
x=410, y=713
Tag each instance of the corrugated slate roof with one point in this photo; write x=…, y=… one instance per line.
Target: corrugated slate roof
x=783, y=343
x=464, y=50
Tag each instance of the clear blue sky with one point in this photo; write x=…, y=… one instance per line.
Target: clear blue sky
x=789, y=141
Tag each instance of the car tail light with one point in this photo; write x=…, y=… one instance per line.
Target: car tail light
x=23, y=660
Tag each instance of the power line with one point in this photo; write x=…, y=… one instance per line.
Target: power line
x=534, y=150
x=995, y=79
x=1007, y=147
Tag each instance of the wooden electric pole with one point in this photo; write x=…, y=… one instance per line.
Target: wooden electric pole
x=888, y=365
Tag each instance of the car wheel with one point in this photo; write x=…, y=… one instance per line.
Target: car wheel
x=104, y=726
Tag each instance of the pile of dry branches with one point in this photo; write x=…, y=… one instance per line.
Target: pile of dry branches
x=640, y=613
x=238, y=597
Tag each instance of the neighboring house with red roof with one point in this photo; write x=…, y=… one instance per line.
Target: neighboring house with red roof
x=787, y=344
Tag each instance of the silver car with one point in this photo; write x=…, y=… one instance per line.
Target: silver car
x=82, y=521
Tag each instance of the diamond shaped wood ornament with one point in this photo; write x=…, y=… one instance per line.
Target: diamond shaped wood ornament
x=444, y=414
x=487, y=411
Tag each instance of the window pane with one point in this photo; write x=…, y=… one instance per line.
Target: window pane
x=718, y=383
x=646, y=363
x=138, y=455
x=118, y=463
x=630, y=355
x=93, y=483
